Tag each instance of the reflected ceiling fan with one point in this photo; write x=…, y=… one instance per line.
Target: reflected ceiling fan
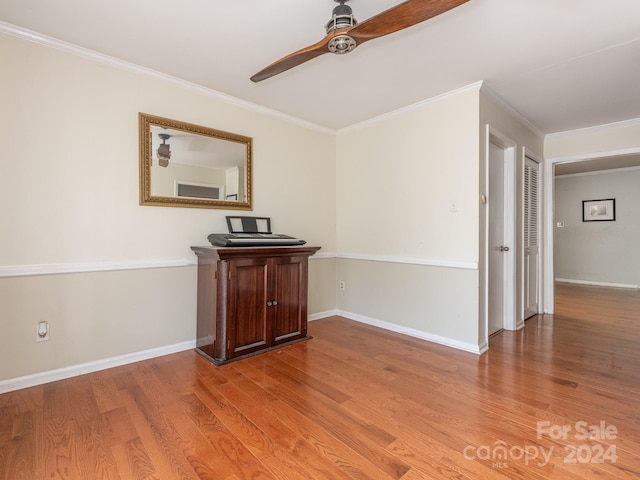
x=344, y=33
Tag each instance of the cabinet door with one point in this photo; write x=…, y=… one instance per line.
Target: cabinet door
x=247, y=314
x=288, y=317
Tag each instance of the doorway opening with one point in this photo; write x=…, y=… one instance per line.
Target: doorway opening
x=611, y=158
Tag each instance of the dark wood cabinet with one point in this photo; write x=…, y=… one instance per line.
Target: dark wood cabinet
x=250, y=299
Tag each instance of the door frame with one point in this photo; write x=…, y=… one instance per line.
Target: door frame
x=548, y=292
x=509, y=146
x=526, y=152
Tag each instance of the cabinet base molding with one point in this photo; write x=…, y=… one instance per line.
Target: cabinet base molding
x=218, y=362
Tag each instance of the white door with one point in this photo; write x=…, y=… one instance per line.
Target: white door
x=497, y=273
x=531, y=237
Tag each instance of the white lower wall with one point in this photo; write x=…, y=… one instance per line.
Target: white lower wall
x=104, y=318
x=322, y=285
x=432, y=302
x=93, y=316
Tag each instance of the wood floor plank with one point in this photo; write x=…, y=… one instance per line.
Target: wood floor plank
x=158, y=437
x=133, y=461
x=19, y=464
x=61, y=442
x=282, y=451
x=282, y=421
x=362, y=437
x=105, y=390
x=93, y=433
x=228, y=454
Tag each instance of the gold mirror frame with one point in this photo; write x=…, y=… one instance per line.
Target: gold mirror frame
x=149, y=123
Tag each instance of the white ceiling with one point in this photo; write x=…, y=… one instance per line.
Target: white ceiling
x=563, y=64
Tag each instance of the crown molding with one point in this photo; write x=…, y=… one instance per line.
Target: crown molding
x=597, y=172
x=66, y=47
x=72, y=49
x=474, y=87
x=489, y=92
x=594, y=155
x=632, y=122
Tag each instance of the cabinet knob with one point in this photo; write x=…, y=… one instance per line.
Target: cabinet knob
x=269, y=304
x=275, y=302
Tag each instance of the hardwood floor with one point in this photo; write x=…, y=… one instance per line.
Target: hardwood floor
x=355, y=402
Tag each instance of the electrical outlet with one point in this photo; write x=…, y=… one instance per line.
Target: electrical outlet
x=42, y=331
x=342, y=285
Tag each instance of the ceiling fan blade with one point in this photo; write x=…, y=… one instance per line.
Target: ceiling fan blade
x=401, y=16
x=404, y=15
x=293, y=60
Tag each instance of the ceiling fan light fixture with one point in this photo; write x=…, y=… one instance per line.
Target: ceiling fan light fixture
x=341, y=44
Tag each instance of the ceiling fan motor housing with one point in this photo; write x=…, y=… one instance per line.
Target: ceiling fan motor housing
x=342, y=18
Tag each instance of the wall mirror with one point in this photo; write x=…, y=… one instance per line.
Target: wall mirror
x=186, y=165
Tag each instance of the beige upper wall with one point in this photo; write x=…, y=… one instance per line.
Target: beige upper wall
x=69, y=131
x=410, y=260
x=397, y=177
x=70, y=202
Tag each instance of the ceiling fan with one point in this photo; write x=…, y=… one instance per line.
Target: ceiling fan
x=344, y=33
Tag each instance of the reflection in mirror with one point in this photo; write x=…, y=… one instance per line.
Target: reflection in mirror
x=186, y=165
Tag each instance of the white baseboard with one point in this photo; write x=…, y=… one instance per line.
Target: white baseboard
x=449, y=342
x=81, y=369
x=597, y=284
x=318, y=316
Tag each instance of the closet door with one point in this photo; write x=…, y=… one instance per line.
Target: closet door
x=531, y=237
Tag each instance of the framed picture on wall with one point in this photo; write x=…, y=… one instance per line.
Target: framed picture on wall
x=599, y=210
